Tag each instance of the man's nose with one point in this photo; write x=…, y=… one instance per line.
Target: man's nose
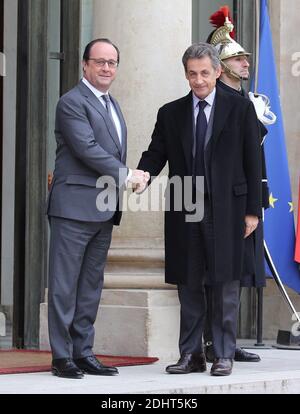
x=105, y=66
x=199, y=80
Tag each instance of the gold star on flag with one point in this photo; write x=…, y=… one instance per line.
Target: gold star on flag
x=272, y=200
x=291, y=207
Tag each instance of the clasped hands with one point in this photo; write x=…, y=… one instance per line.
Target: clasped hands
x=139, y=180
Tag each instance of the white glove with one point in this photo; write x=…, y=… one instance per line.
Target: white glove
x=262, y=108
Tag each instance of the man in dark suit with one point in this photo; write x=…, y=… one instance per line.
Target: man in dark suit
x=90, y=162
x=212, y=134
x=235, y=69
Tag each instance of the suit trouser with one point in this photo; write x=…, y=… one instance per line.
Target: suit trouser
x=77, y=256
x=207, y=333
x=253, y=273
x=192, y=297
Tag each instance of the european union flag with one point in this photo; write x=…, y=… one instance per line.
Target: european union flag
x=297, y=248
x=279, y=227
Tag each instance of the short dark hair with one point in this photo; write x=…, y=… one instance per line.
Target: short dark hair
x=200, y=50
x=87, y=50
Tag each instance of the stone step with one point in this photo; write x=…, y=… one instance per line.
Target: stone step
x=277, y=373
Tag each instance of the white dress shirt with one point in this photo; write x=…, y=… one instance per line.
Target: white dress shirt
x=116, y=120
x=207, y=110
x=114, y=114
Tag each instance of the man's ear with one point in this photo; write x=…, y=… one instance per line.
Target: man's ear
x=219, y=70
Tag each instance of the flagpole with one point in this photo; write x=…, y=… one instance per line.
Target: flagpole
x=268, y=256
x=259, y=327
x=257, y=43
x=259, y=324
x=278, y=281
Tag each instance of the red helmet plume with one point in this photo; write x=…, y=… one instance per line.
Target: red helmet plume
x=218, y=19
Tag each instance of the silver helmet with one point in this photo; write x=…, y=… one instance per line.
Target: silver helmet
x=221, y=38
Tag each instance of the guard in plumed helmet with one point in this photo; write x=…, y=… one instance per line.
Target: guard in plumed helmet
x=235, y=69
x=223, y=40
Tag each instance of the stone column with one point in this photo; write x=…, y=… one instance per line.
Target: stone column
x=152, y=37
x=285, y=22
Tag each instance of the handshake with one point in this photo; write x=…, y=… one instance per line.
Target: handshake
x=139, y=180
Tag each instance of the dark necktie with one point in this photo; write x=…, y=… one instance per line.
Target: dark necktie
x=201, y=127
x=108, y=107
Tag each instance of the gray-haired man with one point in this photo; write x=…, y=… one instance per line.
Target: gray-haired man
x=213, y=134
x=91, y=144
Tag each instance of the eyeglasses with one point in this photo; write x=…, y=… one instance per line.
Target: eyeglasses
x=101, y=63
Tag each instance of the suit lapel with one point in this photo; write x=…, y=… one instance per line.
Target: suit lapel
x=222, y=111
x=94, y=101
x=187, y=132
x=123, y=126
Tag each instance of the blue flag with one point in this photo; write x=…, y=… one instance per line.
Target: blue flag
x=279, y=225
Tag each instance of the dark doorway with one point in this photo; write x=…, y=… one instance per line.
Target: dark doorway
x=1, y=117
x=3, y=327
x=48, y=50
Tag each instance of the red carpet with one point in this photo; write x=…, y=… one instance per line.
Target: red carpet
x=25, y=361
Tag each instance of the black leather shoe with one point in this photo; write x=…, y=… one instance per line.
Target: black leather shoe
x=221, y=367
x=188, y=363
x=91, y=365
x=209, y=352
x=240, y=355
x=243, y=356
x=66, y=368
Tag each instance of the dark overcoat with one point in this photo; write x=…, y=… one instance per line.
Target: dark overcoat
x=233, y=174
x=254, y=274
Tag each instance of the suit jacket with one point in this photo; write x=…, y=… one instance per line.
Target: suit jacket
x=88, y=148
x=233, y=173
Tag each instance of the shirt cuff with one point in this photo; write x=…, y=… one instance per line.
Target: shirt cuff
x=128, y=176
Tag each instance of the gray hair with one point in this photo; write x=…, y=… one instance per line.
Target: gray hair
x=200, y=50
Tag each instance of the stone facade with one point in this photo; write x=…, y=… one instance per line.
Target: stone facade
x=139, y=314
